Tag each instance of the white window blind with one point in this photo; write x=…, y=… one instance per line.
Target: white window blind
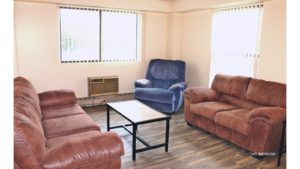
x=79, y=35
x=95, y=35
x=119, y=36
x=235, y=41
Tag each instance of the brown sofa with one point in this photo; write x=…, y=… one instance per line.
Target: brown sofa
x=51, y=131
x=245, y=111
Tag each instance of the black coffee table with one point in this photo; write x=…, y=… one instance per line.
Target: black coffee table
x=138, y=113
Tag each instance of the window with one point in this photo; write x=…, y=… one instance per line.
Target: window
x=92, y=35
x=79, y=35
x=235, y=41
x=119, y=36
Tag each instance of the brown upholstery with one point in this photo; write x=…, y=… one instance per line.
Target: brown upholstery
x=274, y=93
x=56, y=98
x=61, y=111
x=77, y=123
x=210, y=109
x=59, y=134
x=235, y=120
x=245, y=111
x=232, y=85
x=271, y=115
x=239, y=102
x=201, y=94
x=74, y=152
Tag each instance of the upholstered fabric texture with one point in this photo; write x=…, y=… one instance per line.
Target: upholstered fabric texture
x=52, y=131
x=245, y=111
x=164, y=85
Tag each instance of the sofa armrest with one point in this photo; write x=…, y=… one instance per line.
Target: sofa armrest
x=142, y=83
x=180, y=86
x=57, y=98
x=85, y=151
x=270, y=115
x=200, y=94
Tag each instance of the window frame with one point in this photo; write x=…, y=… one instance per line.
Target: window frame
x=137, y=38
x=248, y=54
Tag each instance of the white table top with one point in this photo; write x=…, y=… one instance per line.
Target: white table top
x=136, y=111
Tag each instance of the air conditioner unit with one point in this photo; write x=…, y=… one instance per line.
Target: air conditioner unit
x=98, y=86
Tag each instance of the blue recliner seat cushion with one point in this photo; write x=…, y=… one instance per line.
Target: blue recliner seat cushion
x=155, y=95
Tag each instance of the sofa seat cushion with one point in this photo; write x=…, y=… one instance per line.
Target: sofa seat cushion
x=62, y=126
x=90, y=149
x=56, y=141
x=235, y=120
x=210, y=109
x=60, y=111
x=155, y=95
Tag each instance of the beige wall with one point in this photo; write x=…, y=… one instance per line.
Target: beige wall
x=146, y=5
x=272, y=61
x=196, y=32
x=183, y=36
x=37, y=48
x=175, y=36
x=155, y=36
x=192, y=5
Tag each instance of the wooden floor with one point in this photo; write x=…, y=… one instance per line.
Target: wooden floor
x=190, y=148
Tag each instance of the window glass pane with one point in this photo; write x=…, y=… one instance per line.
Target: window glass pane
x=79, y=35
x=119, y=36
x=235, y=42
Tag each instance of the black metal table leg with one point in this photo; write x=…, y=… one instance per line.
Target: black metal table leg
x=107, y=111
x=134, y=127
x=281, y=143
x=167, y=134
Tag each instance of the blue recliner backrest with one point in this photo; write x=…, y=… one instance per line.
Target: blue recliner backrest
x=164, y=73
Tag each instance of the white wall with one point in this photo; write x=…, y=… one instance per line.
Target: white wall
x=37, y=48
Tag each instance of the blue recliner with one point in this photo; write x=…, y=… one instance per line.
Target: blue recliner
x=164, y=85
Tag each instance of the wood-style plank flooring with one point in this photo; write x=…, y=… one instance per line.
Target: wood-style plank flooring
x=189, y=148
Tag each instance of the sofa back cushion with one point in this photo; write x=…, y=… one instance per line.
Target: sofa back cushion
x=239, y=102
x=164, y=73
x=267, y=93
x=29, y=139
x=232, y=85
x=25, y=90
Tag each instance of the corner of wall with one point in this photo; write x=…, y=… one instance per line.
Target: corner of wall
x=174, y=36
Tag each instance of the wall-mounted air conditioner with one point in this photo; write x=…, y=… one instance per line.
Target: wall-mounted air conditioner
x=105, y=85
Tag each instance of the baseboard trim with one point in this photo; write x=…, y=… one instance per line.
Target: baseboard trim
x=102, y=100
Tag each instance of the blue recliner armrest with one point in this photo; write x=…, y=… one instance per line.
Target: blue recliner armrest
x=178, y=86
x=143, y=83
x=178, y=89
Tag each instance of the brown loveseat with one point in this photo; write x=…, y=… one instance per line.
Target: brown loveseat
x=245, y=111
x=51, y=131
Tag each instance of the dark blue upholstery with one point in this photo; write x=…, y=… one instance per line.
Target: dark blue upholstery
x=164, y=85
